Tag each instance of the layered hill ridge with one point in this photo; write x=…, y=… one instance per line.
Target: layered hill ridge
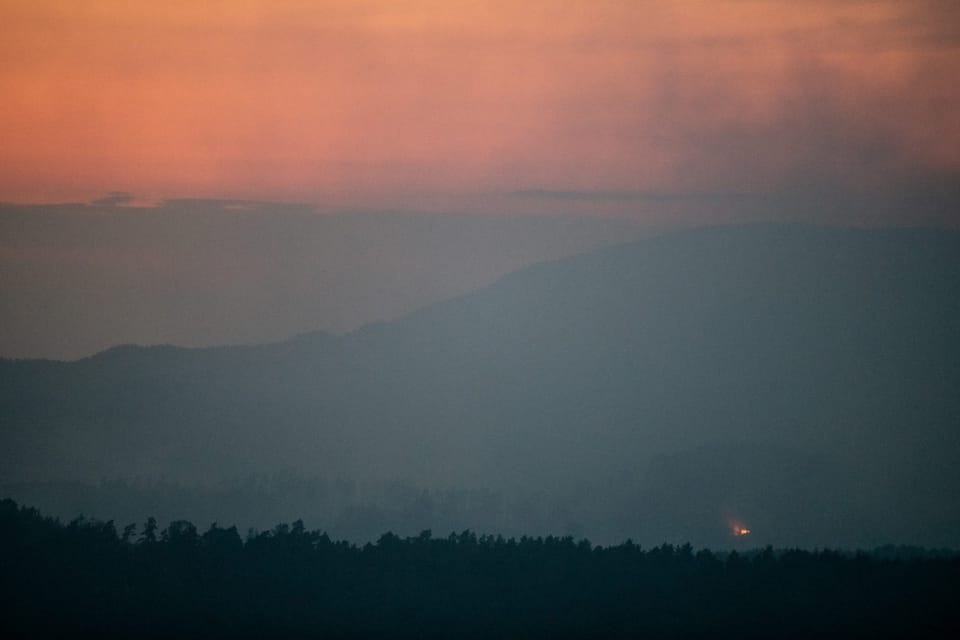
x=821, y=365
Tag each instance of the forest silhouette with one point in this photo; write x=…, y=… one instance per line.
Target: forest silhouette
x=86, y=576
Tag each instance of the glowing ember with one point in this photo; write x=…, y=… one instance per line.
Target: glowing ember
x=737, y=527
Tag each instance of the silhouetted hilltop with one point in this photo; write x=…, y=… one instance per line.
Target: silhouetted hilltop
x=837, y=348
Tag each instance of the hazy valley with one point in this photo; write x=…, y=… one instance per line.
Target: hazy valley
x=799, y=379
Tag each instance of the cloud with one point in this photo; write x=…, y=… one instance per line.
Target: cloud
x=113, y=199
x=624, y=195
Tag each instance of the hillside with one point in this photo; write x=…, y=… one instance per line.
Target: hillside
x=821, y=365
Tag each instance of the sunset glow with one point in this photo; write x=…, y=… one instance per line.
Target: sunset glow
x=368, y=103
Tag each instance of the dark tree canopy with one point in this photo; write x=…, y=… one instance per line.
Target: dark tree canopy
x=85, y=577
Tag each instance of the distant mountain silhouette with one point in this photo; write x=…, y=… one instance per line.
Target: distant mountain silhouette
x=820, y=365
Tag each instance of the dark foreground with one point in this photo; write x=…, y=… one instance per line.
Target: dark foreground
x=88, y=577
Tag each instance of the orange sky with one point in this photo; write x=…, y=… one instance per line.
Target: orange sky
x=408, y=103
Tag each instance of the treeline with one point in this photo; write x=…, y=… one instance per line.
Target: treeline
x=90, y=577
x=348, y=509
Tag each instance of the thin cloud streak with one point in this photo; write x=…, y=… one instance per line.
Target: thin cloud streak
x=650, y=196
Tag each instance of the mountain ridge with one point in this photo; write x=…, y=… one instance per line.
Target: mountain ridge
x=834, y=343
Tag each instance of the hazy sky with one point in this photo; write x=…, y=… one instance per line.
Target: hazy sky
x=579, y=106
x=76, y=279
x=239, y=120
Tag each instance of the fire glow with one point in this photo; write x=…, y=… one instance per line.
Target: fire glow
x=740, y=531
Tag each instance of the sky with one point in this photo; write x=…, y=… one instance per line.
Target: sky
x=598, y=106
x=160, y=162
x=78, y=279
